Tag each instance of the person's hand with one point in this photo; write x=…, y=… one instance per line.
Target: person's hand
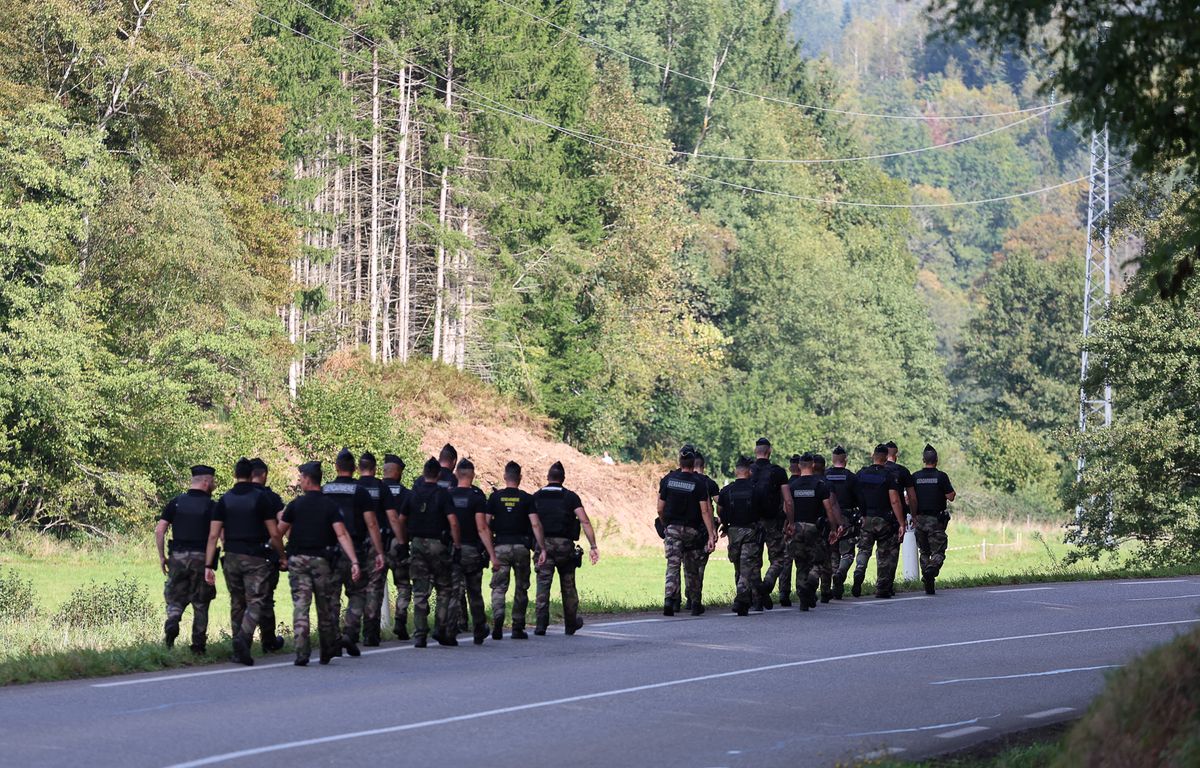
x=162, y=561
x=210, y=577
x=594, y=555
x=542, y=558
x=355, y=572
x=456, y=555
x=789, y=530
x=283, y=563
x=712, y=544
x=900, y=535
x=495, y=563
x=378, y=562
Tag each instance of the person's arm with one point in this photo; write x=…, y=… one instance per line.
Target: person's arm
x=276, y=541
x=586, y=524
x=485, y=535
x=894, y=497
x=539, y=536
x=789, y=510
x=950, y=494
x=160, y=541
x=376, y=537
x=707, y=515
x=210, y=551
x=393, y=516
x=339, y=529
x=455, y=533
x=662, y=508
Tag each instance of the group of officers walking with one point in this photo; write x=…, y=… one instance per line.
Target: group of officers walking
x=815, y=519
x=345, y=535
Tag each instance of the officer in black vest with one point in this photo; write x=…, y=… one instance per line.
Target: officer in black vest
x=903, y=478
x=270, y=641
x=358, y=513
x=562, y=515
x=713, y=490
x=428, y=536
x=741, y=522
x=244, y=515
x=844, y=485
x=393, y=477
x=188, y=516
x=515, y=529
x=774, y=503
x=384, y=506
x=828, y=535
x=932, y=489
x=810, y=503
x=882, y=525
x=447, y=458
x=686, y=516
x=470, y=505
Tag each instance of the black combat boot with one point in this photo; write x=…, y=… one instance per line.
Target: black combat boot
x=498, y=629
x=764, y=596
x=400, y=627
x=199, y=648
x=445, y=638
x=785, y=598
x=856, y=587
x=678, y=603
x=697, y=608
x=839, y=588
x=241, y=651
x=669, y=607
x=301, y=661
x=543, y=621
x=519, y=633
x=351, y=645
x=327, y=651
x=929, y=590
x=272, y=644
x=420, y=642
x=481, y=633
x=574, y=625
x=371, y=633
x=170, y=632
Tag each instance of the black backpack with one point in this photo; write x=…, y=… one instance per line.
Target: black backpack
x=765, y=497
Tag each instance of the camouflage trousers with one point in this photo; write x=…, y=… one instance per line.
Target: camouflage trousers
x=185, y=586
x=356, y=591
x=267, y=622
x=745, y=552
x=823, y=568
x=373, y=594
x=514, y=559
x=779, y=567
x=313, y=579
x=467, y=592
x=879, y=533
x=246, y=578
x=400, y=580
x=560, y=556
x=683, y=545
x=931, y=540
x=841, y=556
x=430, y=568
x=807, y=550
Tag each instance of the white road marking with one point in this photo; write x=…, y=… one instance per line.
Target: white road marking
x=1050, y=673
x=920, y=728
x=881, y=753
x=1151, y=583
x=622, y=623
x=1055, y=606
x=227, y=756
x=962, y=732
x=225, y=670
x=611, y=635
x=1018, y=589
x=1170, y=597
x=1049, y=713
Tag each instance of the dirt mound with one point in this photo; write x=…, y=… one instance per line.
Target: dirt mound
x=620, y=499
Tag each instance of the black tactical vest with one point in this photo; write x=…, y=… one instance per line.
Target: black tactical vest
x=189, y=528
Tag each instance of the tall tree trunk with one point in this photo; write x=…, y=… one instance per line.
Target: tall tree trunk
x=443, y=198
x=718, y=63
x=373, y=269
x=464, y=285
x=403, y=308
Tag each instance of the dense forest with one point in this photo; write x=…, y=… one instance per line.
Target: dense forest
x=642, y=220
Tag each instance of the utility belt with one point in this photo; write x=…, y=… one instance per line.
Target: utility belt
x=942, y=515
x=519, y=539
x=178, y=548
x=852, y=515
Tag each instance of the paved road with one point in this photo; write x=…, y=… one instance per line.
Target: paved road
x=912, y=676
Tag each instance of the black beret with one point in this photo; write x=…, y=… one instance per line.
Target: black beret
x=806, y=458
x=466, y=465
x=242, y=467
x=881, y=448
x=891, y=445
x=432, y=467
x=818, y=459
x=311, y=469
x=391, y=458
x=745, y=462
x=367, y=456
x=796, y=458
x=761, y=441
x=345, y=454
x=929, y=447
x=839, y=451
x=202, y=469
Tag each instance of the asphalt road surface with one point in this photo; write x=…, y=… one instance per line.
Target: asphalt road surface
x=857, y=679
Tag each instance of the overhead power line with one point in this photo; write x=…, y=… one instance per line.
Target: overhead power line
x=733, y=89
x=500, y=108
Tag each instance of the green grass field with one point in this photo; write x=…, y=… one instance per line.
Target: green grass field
x=33, y=646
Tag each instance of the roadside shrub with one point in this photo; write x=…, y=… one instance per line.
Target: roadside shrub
x=328, y=415
x=17, y=599
x=123, y=601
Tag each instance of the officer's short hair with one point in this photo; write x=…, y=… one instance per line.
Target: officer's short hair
x=700, y=459
x=512, y=471
x=367, y=461
x=312, y=470
x=880, y=450
x=258, y=467
x=556, y=473
x=466, y=465
x=344, y=461
x=242, y=468
x=432, y=469
x=448, y=454
x=818, y=460
x=930, y=454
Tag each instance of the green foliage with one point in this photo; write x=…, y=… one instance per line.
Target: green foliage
x=122, y=601
x=1012, y=458
x=17, y=599
x=330, y=414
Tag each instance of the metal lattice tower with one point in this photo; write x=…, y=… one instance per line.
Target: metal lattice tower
x=1095, y=404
